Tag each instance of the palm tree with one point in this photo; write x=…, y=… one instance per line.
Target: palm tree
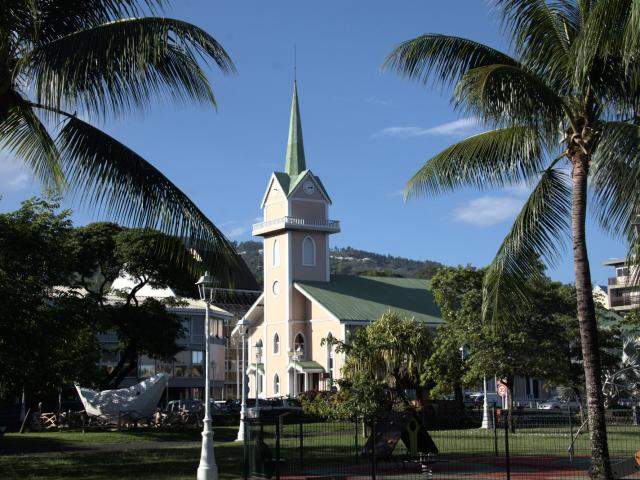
x=65, y=61
x=562, y=113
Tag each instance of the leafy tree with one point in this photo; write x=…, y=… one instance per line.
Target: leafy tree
x=62, y=61
x=568, y=95
x=47, y=337
x=105, y=252
x=444, y=367
x=540, y=340
x=390, y=351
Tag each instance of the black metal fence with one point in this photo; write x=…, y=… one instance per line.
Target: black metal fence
x=536, y=445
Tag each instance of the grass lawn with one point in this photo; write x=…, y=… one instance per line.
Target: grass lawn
x=142, y=457
x=151, y=454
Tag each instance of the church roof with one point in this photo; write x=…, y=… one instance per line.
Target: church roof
x=364, y=299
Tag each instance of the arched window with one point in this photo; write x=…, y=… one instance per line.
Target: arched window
x=308, y=252
x=276, y=343
x=298, y=346
x=275, y=259
x=276, y=384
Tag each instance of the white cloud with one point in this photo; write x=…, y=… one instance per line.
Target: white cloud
x=378, y=101
x=397, y=193
x=236, y=232
x=486, y=211
x=13, y=174
x=463, y=126
x=522, y=188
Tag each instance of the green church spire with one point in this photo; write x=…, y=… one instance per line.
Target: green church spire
x=295, y=163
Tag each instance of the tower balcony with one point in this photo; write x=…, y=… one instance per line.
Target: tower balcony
x=294, y=223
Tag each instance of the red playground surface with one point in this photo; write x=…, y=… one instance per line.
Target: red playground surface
x=467, y=467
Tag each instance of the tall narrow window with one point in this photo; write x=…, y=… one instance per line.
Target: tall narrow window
x=276, y=343
x=276, y=253
x=298, y=346
x=276, y=384
x=308, y=252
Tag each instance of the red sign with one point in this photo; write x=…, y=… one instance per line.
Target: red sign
x=502, y=389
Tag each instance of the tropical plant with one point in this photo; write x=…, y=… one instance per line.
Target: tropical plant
x=66, y=63
x=569, y=95
x=390, y=351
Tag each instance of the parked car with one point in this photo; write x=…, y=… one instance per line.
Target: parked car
x=492, y=398
x=558, y=403
x=275, y=406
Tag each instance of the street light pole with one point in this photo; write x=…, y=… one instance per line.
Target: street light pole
x=207, y=469
x=243, y=328
x=487, y=420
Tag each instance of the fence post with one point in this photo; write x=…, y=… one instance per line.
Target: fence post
x=373, y=450
x=278, y=448
x=495, y=430
x=634, y=411
x=355, y=424
x=301, y=444
x=570, y=434
x=245, y=456
x=506, y=448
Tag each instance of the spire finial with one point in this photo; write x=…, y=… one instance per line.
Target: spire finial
x=295, y=161
x=295, y=64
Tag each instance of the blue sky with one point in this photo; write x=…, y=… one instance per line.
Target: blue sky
x=366, y=132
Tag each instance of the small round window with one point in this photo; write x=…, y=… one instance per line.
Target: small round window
x=276, y=287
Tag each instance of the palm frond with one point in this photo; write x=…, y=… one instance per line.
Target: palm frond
x=510, y=95
x=45, y=20
x=446, y=57
x=603, y=35
x=615, y=178
x=118, y=66
x=496, y=158
x=108, y=176
x=537, y=232
x=23, y=135
x=542, y=32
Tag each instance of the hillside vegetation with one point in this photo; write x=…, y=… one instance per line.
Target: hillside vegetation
x=350, y=261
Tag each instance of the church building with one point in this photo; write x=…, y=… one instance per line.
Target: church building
x=302, y=303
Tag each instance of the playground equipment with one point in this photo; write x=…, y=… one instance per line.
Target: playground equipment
x=395, y=426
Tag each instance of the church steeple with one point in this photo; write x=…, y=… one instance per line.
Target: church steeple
x=295, y=163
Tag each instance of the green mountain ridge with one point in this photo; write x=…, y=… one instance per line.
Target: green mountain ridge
x=349, y=261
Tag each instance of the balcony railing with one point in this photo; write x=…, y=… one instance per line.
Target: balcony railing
x=283, y=222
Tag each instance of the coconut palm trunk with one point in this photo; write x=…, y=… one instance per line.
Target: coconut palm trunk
x=568, y=97
x=587, y=319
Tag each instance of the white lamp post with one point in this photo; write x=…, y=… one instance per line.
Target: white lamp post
x=243, y=329
x=487, y=420
x=207, y=469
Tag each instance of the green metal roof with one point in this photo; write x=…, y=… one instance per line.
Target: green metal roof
x=295, y=162
x=305, y=365
x=364, y=299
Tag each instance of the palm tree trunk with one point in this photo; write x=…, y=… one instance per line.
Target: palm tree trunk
x=600, y=466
